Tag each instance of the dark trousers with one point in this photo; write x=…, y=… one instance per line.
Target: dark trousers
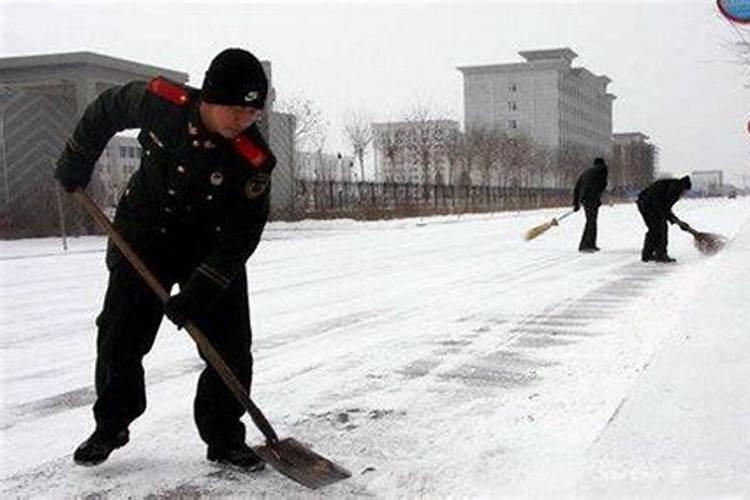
x=127, y=329
x=588, y=238
x=655, y=241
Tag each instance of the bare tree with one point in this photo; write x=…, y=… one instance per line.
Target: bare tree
x=468, y=152
x=543, y=161
x=420, y=139
x=359, y=132
x=453, y=141
x=425, y=141
x=389, y=141
x=309, y=126
x=309, y=121
x=571, y=160
x=487, y=146
x=516, y=159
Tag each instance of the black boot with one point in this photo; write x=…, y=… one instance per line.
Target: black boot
x=664, y=259
x=240, y=456
x=99, y=445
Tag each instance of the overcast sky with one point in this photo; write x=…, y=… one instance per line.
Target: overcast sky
x=670, y=64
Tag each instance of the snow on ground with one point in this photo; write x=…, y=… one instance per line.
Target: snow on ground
x=432, y=357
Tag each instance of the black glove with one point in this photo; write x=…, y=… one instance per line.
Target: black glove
x=195, y=299
x=72, y=178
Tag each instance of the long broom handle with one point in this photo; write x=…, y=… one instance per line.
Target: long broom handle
x=569, y=212
x=211, y=354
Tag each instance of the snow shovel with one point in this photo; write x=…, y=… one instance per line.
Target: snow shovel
x=706, y=243
x=542, y=228
x=288, y=456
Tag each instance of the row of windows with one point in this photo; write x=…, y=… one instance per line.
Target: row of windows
x=130, y=152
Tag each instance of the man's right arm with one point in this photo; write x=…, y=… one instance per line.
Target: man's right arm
x=577, y=194
x=115, y=109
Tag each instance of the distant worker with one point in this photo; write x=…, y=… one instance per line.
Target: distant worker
x=655, y=204
x=588, y=192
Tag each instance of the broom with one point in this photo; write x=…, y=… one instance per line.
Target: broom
x=705, y=243
x=542, y=228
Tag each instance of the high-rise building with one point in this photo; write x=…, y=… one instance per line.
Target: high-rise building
x=545, y=98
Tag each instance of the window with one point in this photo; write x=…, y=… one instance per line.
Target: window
x=512, y=87
x=512, y=105
x=123, y=152
x=512, y=124
x=131, y=152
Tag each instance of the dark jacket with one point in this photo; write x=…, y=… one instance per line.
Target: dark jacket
x=590, y=186
x=192, y=186
x=660, y=196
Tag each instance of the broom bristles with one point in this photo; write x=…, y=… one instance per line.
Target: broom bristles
x=708, y=243
x=539, y=230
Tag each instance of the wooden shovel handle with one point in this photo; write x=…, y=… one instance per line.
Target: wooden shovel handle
x=211, y=354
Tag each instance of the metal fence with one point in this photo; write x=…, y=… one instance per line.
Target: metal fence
x=370, y=200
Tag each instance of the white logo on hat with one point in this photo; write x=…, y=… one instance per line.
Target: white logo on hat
x=251, y=96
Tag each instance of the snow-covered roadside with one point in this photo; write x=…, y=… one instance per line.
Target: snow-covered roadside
x=683, y=432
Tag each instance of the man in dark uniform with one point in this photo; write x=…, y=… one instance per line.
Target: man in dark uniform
x=194, y=212
x=588, y=192
x=655, y=204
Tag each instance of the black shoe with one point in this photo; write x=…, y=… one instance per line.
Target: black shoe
x=664, y=259
x=240, y=456
x=99, y=445
x=588, y=250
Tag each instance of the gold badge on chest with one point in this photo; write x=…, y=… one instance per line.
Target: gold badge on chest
x=257, y=185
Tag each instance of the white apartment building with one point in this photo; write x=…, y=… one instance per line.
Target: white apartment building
x=545, y=97
x=397, y=147
x=120, y=158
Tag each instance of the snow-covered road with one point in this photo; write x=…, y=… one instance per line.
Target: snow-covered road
x=432, y=357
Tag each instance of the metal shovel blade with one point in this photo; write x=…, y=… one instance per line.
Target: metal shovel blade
x=297, y=462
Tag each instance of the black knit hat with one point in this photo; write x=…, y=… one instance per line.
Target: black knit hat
x=235, y=78
x=599, y=161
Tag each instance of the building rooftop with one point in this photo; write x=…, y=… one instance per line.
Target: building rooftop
x=629, y=136
x=549, y=54
x=86, y=58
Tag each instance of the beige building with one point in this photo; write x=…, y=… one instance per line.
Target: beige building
x=545, y=97
x=41, y=98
